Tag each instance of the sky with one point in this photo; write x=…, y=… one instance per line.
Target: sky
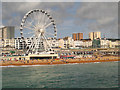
x=70, y=17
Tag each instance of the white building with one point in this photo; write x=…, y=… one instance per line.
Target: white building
x=60, y=43
x=7, y=43
x=68, y=42
x=105, y=43
x=53, y=43
x=19, y=44
x=83, y=43
x=87, y=43
x=78, y=44
x=109, y=43
x=114, y=44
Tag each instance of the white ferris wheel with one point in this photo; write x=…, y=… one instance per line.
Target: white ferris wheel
x=39, y=26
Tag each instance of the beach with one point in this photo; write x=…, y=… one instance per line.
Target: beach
x=58, y=61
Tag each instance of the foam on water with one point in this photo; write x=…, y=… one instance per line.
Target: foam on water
x=52, y=65
x=26, y=65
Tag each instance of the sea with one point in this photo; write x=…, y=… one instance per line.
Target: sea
x=87, y=75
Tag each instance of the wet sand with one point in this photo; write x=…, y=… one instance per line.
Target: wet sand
x=58, y=61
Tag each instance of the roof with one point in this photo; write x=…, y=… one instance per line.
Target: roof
x=85, y=39
x=113, y=39
x=2, y=26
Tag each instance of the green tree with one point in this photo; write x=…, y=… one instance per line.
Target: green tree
x=12, y=52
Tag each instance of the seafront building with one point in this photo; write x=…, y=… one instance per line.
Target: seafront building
x=77, y=36
x=19, y=44
x=85, y=43
x=7, y=37
x=68, y=42
x=61, y=43
x=105, y=43
x=65, y=43
x=7, y=32
x=94, y=35
x=8, y=42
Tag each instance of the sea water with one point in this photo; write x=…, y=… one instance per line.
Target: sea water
x=89, y=75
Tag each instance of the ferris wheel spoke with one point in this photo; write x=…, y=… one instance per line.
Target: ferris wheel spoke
x=46, y=21
x=32, y=36
x=47, y=42
x=30, y=24
x=36, y=19
x=32, y=20
x=32, y=16
x=28, y=33
x=42, y=20
x=49, y=33
x=48, y=25
x=39, y=18
x=28, y=28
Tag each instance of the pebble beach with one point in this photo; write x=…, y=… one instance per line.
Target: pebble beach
x=58, y=61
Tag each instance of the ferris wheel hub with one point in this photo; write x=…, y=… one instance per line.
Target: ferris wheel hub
x=41, y=30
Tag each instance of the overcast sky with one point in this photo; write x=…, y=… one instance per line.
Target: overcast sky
x=70, y=17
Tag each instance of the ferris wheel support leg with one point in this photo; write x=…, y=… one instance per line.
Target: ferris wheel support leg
x=31, y=46
x=47, y=42
x=38, y=43
x=45, y=46
x=34, y=49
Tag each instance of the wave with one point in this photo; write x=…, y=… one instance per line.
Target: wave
x=26, y=65
x=38, y=65
x=116, y=61
x=96, y=62
x=52, y=65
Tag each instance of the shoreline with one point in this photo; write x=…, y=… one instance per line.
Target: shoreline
x=57, y=62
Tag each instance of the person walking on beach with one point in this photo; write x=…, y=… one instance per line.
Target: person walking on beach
x=27, y=61
x=32, y=61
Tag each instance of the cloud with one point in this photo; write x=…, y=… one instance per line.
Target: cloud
x=93, y=16
x=20, y=8
x=99, y=17
x=13, y=12
x=60, y=1
x=99, y=0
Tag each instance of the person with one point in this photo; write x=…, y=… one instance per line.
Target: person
x=32, y=61
x=27, y=61
x=51, y=62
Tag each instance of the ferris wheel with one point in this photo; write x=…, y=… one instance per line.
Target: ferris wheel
x=39, y=27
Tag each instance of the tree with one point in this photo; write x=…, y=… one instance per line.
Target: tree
x=12, y=52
